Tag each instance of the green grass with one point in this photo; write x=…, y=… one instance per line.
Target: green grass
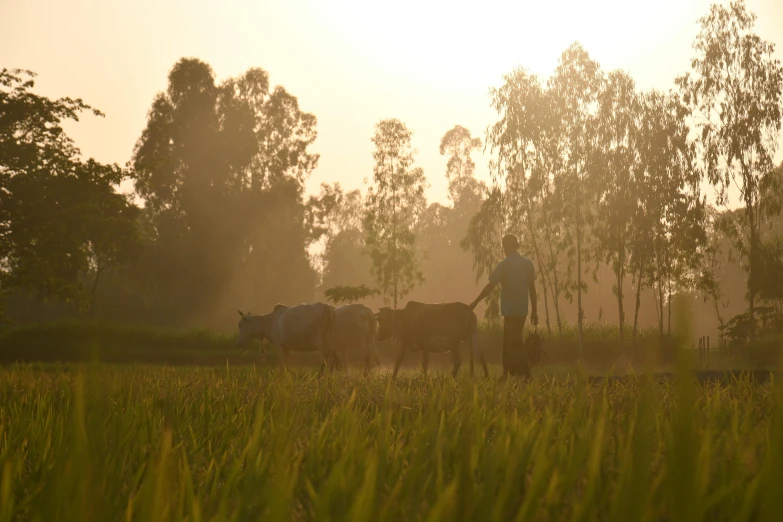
x=104, y=442
x=120, y=343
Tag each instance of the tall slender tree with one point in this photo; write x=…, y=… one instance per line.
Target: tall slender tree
x=615, y=166
x=59, y=214
x=392, y=207
x=221, y=168
x=735, y=94
x=575, y=86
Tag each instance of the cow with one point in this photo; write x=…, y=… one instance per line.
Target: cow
x=435, y=328
x=300, y=328
x=356, y=327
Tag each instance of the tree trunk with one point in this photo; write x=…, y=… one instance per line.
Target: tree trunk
x=752, y=265
x=98, y=273
x=579, y=284
x=638, y=304
x=669, y=312
x=660, y=306
x=620, y=277
x=541, y=269
x=555, y=285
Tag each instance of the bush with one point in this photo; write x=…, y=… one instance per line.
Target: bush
x=90, y=341
x=766, y=351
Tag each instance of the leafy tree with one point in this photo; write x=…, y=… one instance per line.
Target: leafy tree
x=221, y=169
x=58, y=215
x=348, y=293
x=522, y=140
x=483, y=236
x=335, y=217
x=735, y=94
x=439, y=228
x=575, y=87
x=672, y=216
x=458, y=144
x=709, y=277
x=615, y=167
x=392, y=208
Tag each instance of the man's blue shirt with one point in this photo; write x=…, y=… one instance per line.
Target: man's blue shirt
x=514, y=274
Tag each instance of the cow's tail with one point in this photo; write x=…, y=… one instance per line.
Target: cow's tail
x=330, y=336
x=475, y=349
x=369, y=342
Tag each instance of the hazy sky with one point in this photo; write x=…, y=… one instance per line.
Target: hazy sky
x=351, y=62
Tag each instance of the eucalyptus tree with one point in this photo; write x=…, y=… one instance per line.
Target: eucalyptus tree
x=575, y=87
x=615, y=167
x=518, y=140
x=735, y=94
x=392, y=207
x=673, y=212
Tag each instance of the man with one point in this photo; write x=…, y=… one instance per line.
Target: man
x=516, y=276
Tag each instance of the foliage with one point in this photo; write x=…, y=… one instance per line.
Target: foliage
x=735, y=93
x=392, y=209
x=742, y=329
x=119, y=343
x=671, y=220
x=482, y=239
x=107, y=442
x=348, y=293
x=60, y=217
x=458, y=144
x=221, y=169
x=615, y=167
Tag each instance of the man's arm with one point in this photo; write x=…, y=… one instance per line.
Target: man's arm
x=533, y=302
x=484, y=293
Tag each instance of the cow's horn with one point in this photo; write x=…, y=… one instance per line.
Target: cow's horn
x=240, y=312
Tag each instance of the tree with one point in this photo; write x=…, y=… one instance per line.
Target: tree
x=58, y=214
x=735, y=94
x=391, y=211
x=221, y=169
x=458, y=144
x=616, y=170
x=483, y=236
x=709, y=276
x=348, y=293
x=575, y=86
x=521, y=139
x=671, y=218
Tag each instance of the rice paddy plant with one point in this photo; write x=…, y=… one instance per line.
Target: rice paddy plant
x=102, y=442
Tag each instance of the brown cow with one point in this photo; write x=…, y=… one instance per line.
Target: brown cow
x=432, y=328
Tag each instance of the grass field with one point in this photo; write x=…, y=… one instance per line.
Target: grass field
x=124, y=344
x=103, y=442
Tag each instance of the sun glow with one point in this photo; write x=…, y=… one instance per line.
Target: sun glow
x=471, y=39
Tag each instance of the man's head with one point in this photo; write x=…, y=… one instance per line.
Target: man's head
x=510, y=244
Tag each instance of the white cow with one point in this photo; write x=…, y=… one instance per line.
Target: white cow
x=300, y=328
x=356, y=326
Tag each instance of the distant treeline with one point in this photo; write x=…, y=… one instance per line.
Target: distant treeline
x=603, y=183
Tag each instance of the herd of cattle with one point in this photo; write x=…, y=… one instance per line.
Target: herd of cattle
x=318, y=327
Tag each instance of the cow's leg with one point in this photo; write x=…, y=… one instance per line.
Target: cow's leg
x=456, y=359
x=472, y=372
x=284, y=353
x=400, y=358
x=323, y=365
x=476, y=351
x=425, y=360
x=333, y=360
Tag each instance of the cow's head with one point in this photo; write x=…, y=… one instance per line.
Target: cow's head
x=387, y=323
x=249, y=326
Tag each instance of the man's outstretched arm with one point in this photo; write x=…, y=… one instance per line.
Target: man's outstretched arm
x=533, y=303
x=484, y=293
